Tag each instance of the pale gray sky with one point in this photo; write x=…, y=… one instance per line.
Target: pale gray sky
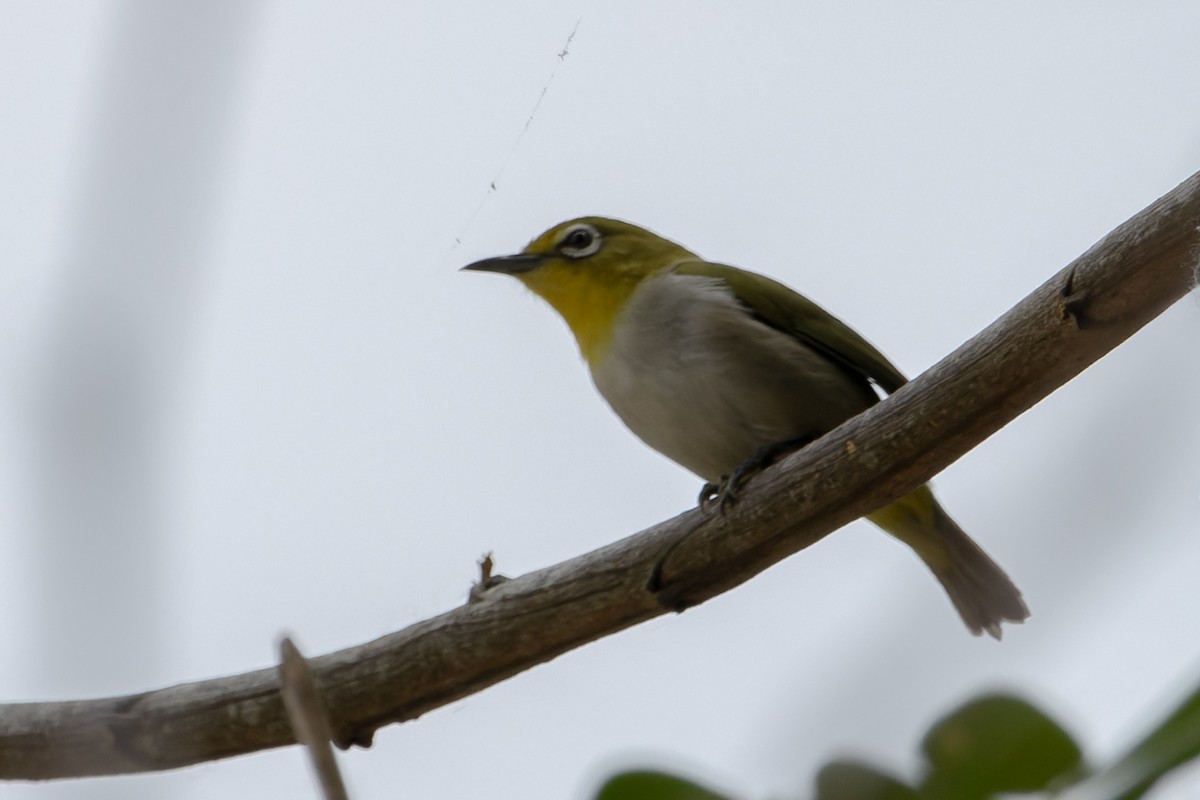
x=263, y=221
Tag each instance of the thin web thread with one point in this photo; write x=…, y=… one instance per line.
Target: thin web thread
x=491, y=190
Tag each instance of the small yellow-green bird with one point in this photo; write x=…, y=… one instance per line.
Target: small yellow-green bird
x=719, y=369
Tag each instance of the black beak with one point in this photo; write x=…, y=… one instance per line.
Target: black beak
x=509, y=265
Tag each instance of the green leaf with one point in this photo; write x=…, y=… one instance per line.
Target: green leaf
x=1174, y=742
x=996, y=744
x=647, y=785
x=852, y=780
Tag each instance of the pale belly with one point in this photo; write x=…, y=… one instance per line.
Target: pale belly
x=703, y=383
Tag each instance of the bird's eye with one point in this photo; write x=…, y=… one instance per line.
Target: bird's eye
x=579, y=241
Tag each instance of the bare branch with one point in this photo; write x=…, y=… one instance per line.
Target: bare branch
x=1066, y=324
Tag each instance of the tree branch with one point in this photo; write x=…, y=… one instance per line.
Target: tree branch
x=1073, y=319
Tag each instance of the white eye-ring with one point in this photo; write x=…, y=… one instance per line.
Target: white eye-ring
x=579, y=241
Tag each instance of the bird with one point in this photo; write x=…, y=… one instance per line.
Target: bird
x=722, y=370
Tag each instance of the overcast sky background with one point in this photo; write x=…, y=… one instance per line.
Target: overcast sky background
x=245, y=390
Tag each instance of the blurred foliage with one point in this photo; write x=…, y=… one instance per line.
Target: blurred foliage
x=991, y=746
x=997, y=744
x=650, y=785
x=850, y=780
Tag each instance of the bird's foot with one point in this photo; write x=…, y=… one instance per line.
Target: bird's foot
x=721, y=495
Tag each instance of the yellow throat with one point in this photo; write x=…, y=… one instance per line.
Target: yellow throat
x=588, y=303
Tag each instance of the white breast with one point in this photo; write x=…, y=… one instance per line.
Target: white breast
x=705, y=384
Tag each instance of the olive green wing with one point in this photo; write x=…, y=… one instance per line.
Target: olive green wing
x=788, y=312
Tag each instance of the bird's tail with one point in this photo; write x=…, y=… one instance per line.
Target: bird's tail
x=979, y=589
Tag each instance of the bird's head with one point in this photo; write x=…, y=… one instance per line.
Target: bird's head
x=587, y=269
